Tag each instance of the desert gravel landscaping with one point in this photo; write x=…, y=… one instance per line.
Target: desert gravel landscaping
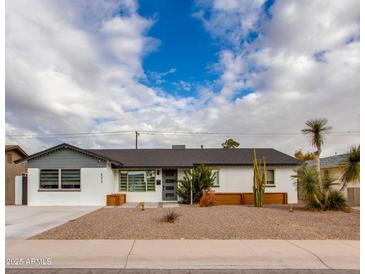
x=218, y=222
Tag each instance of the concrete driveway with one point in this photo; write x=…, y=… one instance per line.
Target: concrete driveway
x=22, y=222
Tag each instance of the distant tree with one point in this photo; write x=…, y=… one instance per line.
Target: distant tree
x=352, y=167
x=304, y=156
x=230, y=143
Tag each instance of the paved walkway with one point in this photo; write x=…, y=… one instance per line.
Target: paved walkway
x=148, y=205
x=22, y=222
x=183, y=254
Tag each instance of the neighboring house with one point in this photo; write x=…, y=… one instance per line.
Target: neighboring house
x=12, y=154
x=68, y=175
x=335, y=167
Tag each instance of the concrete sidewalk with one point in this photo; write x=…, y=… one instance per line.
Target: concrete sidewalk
x=183, y=254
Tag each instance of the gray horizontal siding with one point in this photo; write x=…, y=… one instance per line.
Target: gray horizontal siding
x=66, y=158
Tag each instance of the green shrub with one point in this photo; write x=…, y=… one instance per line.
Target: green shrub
x=183, y=189
x=200, y=178
x=337, y=200
x=314, y=196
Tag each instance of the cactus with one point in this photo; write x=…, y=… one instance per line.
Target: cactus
x=259, y=181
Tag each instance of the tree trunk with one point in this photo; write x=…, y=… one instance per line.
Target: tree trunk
x=318, y=166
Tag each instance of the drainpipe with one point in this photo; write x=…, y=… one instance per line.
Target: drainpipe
x=191, y=193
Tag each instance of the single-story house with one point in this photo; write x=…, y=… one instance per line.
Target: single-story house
x=69, y=175
x=335, y=167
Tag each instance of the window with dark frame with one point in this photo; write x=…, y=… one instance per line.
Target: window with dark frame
x=59, y=179
x=70, y=178
x=48, y=179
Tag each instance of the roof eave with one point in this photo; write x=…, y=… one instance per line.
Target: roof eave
x=67, y=146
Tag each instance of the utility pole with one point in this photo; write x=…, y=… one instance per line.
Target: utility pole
x=137, y=134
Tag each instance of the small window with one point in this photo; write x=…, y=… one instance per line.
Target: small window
x=9, y=158
x=216, y=180
x=48, y=179
x=151, y=180
x=270, y=180
x=70, y=178
x=123, y=181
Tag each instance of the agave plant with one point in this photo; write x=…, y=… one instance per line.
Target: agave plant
x=259, y=181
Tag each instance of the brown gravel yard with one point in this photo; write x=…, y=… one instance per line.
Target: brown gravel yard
x=219, y=222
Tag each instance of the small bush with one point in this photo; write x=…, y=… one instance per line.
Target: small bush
x=170, y=216
x=337, y=200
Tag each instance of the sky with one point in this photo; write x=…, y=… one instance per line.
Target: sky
x=252, y=70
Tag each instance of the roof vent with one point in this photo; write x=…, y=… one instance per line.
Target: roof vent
x=178, y=146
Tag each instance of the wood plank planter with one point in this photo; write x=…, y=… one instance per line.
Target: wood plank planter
x=116, y=199
x=246, y=198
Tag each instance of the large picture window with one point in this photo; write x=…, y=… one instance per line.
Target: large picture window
x=137, y=180
x=59, y=179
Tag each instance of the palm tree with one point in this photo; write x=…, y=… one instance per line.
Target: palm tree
x=352, y=167
x=316, y=129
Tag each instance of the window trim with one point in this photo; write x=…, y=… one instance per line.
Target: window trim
x=145, y=171
x=274, y=175
x=59, y=188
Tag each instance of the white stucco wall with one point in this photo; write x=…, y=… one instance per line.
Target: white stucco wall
x=96, y=183
x=239, y=179
x=336, y=173
x=150, y=196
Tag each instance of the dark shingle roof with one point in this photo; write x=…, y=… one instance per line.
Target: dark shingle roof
x=331, y=161
x=191, y=157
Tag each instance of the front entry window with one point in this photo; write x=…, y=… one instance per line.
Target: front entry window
x=137, y=180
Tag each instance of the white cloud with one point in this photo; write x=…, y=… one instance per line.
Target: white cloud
x=291, y=86
x=77, y=67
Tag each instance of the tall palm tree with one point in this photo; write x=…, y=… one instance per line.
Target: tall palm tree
x=316, y=129
x=352, y=167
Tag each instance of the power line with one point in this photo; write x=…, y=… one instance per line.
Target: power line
x=180, y=133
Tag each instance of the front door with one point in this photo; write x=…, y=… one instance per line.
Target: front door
x=169, y=184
